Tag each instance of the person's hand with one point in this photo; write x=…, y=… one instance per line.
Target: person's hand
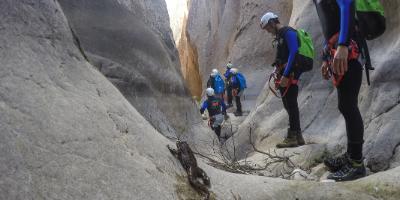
x=204, y=116
x=325, y=70
x=284, y=81
x=340, y=60
x=234, y=92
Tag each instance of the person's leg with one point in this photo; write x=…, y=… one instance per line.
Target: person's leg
x=294, y=137
x=238, y=104
x=293, y=108
x=229, y=94
x=348, y=91
x=348, y=105
x=284, y=98
x=217, y=131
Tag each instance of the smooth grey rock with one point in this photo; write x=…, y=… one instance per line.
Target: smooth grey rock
x=66, y=131
x=131, y=43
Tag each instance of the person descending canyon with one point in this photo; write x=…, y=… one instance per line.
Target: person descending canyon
x=217, y=83
x=342, y=31
x=228, y=75
x=291, y=60
x=238, y=85
x=216, y=111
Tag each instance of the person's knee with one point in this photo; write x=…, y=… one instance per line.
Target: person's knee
x=347, y=108
x=292, y=104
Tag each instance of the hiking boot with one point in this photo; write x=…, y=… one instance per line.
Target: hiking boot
x=229, y=105
x=335, y=164
x=300, y=139
x=293, y=139
x=288, y=142
x=350, y=171
x=238, y=113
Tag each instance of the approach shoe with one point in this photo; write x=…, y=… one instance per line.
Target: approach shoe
x=351, y=171
x=336, y=163
x=237, y=113
x=288, y=142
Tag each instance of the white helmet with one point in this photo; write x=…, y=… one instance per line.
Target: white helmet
x=229, y=65
x=265, y=19
x=214, y=72
x=210, y=92
x=234, y=70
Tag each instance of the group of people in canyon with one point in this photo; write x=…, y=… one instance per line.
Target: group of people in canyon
x=233, y=85
x=343, y=25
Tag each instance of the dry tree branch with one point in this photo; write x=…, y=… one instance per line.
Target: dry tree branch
x=275, y=158
x=223, y=159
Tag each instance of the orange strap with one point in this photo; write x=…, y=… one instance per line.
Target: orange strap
x=354, y=53
x=276, y=80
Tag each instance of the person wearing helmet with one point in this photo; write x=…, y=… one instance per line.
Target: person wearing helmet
x=227, y=76
x=210, y=82
x=339, y=60
x=237, y=91
x=216, y=111
x=287, y=49
x=216, y=82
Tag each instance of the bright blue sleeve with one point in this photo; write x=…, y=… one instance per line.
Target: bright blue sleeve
x=203, y=107
x=344, y=6
x=293, y=45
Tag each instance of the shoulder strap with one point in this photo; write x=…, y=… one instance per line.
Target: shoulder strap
x=208, y=102
x=283, y=30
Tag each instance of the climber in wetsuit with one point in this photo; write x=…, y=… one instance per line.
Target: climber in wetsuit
x=287, y=49
x=340, y=60
x=216, y=111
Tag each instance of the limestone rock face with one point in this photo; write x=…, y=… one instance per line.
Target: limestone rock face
x=131, y=43
x=89, y=89
x=228, y=30
x=66, y=131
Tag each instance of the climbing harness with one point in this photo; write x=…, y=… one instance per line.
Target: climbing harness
x=275, y=78
x=330, y=50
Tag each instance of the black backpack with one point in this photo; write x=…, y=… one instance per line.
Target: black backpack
x=214, y=106
x=370, y=17
x=305, y=57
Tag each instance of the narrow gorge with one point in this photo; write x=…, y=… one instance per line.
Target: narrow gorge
x=92, y=92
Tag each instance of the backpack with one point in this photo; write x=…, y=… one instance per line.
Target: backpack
x=369, y=16
x=305, y=58
x=219, y=85
x=371, y=19
x=214, y=106
x=242, y=81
